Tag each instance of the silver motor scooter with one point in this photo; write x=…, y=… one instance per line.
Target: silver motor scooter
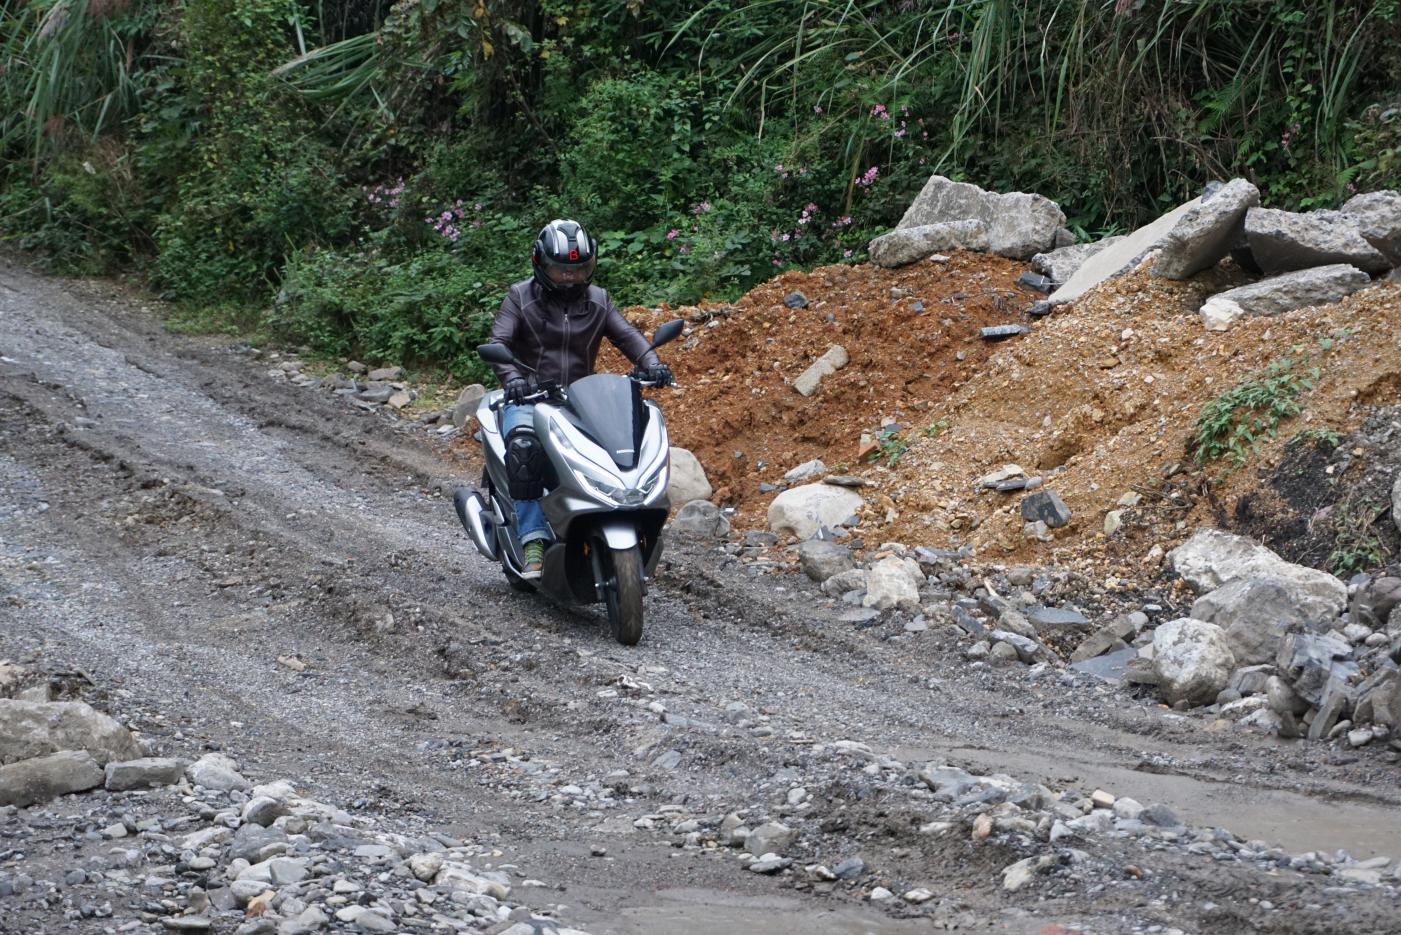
x=606, y=490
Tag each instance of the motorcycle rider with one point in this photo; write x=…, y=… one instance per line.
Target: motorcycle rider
x=554, y=322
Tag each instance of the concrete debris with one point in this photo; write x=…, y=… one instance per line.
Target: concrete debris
x=829, y=363
x=1285, y=240
x=1204, y=235
x=1305, y=288
x=1018, y=225
x=907, y=245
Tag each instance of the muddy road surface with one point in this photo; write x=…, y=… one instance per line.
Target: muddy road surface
x=173, y=522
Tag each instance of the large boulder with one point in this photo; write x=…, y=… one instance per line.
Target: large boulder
x=1212, y=558
x=1378, y=218
x=36, y=728
x=144, y=773
x=1312, y=661
x=1204, y=235
x=1019, y=225
x=42, y=778
x=1255, y=614
x=1062, y=263
x=700, y=519
x=904, y=246
x=802, y=511
x=688, y=481
x=893, y=582
x=1278, y=294
x=1192, y=660
x=467, y=402
x=1285, y=240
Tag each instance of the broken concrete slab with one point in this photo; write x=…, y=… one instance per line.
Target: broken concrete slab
x=1018, y=225
x=1378, y=218
x=1282, y=241
x=1120, y=257
x=1274, y=296
x=904, y=246
x=1202, y=237
x=829, y=363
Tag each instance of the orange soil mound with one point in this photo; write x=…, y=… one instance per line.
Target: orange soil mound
x=1098, y=400
x=736, y=408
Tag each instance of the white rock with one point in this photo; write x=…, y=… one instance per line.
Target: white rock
x=688, y=481
x=218, y=772
x=1257, y=612
x=1202, y=236
x=881, y=893
x=829, y=363
x=806, y=471
x=460, y=877
x=918, y=895
x=893, y=582
x=802, y=511
x=1192, y=659
x=1212, y=558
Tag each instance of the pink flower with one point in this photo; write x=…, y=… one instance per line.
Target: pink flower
x=817, y=108
x=785, y=238
x=846, y=253
x=672, y=234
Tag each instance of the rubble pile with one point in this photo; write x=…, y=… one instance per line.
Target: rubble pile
x=100, y=831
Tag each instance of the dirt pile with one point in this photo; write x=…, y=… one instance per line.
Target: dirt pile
x=1099, y=400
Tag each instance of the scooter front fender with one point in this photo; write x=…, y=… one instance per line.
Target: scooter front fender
x=619, y=534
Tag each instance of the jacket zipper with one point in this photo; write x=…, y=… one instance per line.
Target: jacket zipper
x=564, y=349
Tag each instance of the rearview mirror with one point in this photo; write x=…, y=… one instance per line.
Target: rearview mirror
x=667, y=332
x=496, y=354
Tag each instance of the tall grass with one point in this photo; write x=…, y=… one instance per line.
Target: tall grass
x=1113, y=80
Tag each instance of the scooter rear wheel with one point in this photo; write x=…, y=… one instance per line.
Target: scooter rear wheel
x=623, y=596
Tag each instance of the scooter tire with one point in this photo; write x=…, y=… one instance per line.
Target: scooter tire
x=624, y=597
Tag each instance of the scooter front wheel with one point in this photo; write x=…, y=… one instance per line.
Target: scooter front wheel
x=623, y=595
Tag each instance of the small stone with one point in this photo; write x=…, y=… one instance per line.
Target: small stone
x=918, y=895
x=386, y=374
x=770, y=863
x=849, y=869
x=144, y=773
x=1046, y=507
x=1101, y=799
x=1360, y=737
x=795, y=300
x=880, y=893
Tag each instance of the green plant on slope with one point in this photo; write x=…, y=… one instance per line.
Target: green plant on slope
x=1230, y=425
x=1356, y=546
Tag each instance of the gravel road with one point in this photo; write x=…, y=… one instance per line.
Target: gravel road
x=173, y=521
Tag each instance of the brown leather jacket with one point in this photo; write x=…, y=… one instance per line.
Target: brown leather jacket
x=560, y=338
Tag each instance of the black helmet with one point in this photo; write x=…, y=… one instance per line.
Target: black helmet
x=563, y=258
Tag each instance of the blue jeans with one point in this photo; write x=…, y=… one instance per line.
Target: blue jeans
x=530, y=518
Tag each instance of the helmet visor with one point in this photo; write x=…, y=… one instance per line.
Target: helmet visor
x=568, y=274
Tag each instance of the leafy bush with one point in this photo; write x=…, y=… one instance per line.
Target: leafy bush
x=1230, y=425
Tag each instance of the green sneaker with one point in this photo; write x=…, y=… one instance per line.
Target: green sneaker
x=534, y=558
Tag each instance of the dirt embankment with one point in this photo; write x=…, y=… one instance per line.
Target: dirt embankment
x=1099, y=400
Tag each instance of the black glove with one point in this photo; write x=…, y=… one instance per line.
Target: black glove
x=518, y=389
x=660, y=375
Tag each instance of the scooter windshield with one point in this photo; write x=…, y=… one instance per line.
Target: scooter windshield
x=608, y=408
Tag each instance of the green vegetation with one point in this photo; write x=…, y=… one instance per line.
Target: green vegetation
x=365, y=176
x=1230, y=425
x=1356, y=544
